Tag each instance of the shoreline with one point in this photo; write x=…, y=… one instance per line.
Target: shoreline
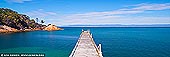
x=4, y=29
x=14, y=31
x=26, y=30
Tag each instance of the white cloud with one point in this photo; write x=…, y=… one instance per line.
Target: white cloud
x=18, y=1
x=144, y=7
x=41, y=14
x=138, y=9
x=108, y=17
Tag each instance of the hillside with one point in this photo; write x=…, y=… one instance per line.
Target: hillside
x=15, y=20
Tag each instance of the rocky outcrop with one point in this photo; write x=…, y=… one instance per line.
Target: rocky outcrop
x=52, y=28
x=7, y=29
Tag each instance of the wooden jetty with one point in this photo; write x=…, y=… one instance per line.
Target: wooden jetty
x=86, y=47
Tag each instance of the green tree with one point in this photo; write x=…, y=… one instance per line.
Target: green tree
x=42, y=21
x=36, y=19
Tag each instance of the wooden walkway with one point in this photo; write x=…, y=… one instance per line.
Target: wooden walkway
x=86, y=47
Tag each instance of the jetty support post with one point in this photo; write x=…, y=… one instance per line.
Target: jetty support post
x=91, y=35
x=100, y=50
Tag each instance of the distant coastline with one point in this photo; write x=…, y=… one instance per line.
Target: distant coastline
x=119, y=25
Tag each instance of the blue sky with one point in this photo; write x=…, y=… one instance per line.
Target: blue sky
x=72, y=12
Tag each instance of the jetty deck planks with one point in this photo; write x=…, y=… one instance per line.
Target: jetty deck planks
x=86, y=47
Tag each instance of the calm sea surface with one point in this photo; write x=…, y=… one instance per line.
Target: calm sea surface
x=116, y=42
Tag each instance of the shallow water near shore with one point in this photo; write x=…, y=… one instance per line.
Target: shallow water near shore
x=116, y=42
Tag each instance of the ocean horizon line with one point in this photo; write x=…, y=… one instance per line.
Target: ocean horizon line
x=118, y=25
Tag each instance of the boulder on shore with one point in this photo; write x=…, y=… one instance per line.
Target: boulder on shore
x=52, y=28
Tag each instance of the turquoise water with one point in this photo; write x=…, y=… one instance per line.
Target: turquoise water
x=116, y=42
